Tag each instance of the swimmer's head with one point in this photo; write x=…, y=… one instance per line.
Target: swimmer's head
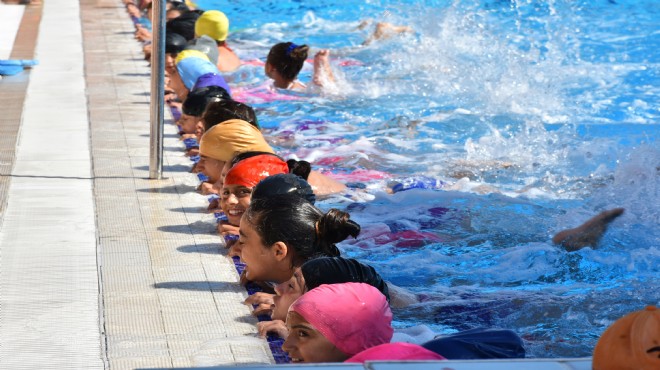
x=198, y=99
x=184, y=25
x=338, y=270
x=225, y=110
x=352, y=316
x=214, y=24
x=207, y=46
x=287, y=59
x=174, y=43
x=284, y=184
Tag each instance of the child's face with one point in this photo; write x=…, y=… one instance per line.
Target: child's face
x=176, y=84
x=261, y=261
x=188, y=123
x=306, y=344
x=286, y=293
x=212, y=168
x=199, y=130
x=234, y=200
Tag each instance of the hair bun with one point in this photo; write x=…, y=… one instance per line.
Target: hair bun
x=300, y=168
x=299, y=52
x=335, y=226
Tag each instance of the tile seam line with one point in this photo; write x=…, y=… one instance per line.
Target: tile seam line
x=82, y=9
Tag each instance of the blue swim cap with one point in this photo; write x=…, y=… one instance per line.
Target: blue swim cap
x=191, y=68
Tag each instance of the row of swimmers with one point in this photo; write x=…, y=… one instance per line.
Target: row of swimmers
x=269, y=220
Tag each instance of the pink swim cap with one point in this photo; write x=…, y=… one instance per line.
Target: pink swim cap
x=395, y=351
x=352, y=316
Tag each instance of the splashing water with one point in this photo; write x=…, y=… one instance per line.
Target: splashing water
x=534, y=114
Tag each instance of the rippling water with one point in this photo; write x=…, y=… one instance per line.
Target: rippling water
x=535, y=115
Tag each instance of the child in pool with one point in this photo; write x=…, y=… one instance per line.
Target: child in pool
x=227, y=111
x=214, y=23
x=313, y=273
x=349, y=322
x=286, y=59
x=220, y=144
x=237, y=189
x=284, y=62
x=280, y=233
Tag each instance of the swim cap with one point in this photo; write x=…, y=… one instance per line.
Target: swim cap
x=285, y=183
x=192, y=64
x=184, y=25
x=224, y=140
x=352, y=316
x=632, y=342
x=197, y=100
x=174, y=43
x=212, y=79
x=190, y=54
x=250, y=171
x=337, y=270
x=395, y=351
x=214, y=24
x=206, y=45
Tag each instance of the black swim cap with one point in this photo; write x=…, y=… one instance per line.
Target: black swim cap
x=174, y=43
x=184, y=25
x=284, y=183
x=198, y=99
x=338, y=270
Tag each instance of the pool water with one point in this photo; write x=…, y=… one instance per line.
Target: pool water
x=531, y=115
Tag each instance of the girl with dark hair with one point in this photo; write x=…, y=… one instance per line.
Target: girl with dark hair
x=237, y=191
x=284, y=62
x=313, y=273
x=280, y=233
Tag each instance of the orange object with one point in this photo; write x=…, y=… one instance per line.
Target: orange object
x=250, y=171
x=631, y=343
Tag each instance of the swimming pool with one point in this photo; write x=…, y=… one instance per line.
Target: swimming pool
x=534, y=114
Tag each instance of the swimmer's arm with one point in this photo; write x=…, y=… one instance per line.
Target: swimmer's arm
x=225, y=228
x=324, y=185
x=400, y=297
x=207, y=188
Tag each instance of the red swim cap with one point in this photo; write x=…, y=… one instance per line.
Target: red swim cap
x=250, y=171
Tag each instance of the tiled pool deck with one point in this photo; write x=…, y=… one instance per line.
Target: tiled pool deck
x=101, y=267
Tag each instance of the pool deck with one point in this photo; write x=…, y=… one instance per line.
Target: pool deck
x=101, y=267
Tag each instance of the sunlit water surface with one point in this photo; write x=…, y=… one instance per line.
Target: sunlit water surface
x=535, y=115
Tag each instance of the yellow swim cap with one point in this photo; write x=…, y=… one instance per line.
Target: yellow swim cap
x=224, y=140
x=190, y=53
x=214, y=24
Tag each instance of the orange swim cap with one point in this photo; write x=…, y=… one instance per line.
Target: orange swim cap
x=250, y=171
x=224, y=140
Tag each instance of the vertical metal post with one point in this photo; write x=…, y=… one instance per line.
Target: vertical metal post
x=157, y=90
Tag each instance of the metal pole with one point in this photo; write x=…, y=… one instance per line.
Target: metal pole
x=157, y=90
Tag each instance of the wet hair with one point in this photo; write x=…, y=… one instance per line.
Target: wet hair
x=284, y=183
x=174, y=43
x=300, y=168
x=224, y=110
x=288, y=58
x=338, y=270
x=198, y=99
x=305, y=229
x=184, y=25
